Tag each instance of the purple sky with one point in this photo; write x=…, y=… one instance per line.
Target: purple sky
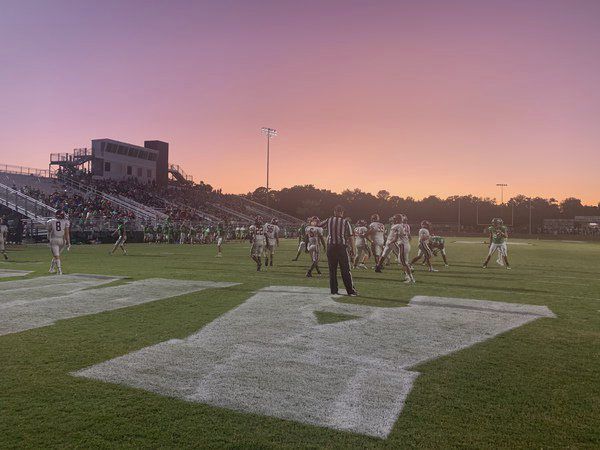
x=471, y=93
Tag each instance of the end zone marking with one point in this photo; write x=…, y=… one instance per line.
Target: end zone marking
x=41, y=301
x=7, y=273
x=269, y=356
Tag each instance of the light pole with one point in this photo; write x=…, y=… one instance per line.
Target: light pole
x=501, y=186
x=269, y=132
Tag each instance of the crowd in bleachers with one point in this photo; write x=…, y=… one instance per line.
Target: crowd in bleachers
x=78, y=206
x=181, y=202
x=177, y=200
x=559, y=230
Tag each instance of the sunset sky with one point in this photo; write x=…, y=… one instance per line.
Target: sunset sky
x=416, y=97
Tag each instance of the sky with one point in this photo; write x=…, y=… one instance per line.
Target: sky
x=415, y=97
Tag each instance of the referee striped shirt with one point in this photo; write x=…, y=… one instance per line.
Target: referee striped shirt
x=338, y=230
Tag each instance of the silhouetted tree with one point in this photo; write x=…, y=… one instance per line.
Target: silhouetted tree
x=307, y=200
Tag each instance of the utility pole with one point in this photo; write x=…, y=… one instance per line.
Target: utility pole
x=269, y=133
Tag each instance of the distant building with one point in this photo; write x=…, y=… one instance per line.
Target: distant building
x=122, y=161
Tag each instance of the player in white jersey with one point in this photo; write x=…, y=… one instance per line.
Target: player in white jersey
x=272, y=235
x=377, y=236
x=258, y=240
x=314, y=236
x=362, y=252
x=58, y=236
x=424, y=249
x=3, y=237
x=399, y=236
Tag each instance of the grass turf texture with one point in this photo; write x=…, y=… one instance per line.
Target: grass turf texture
x=535, y=386
x=325, y=317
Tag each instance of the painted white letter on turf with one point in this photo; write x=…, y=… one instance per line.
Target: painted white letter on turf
x=270, y=356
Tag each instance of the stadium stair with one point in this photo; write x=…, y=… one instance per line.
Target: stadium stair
x=231, y=212
x=202, y=215
x=37, y=212
x=180, y=175
x=77, y=158
x=267, y=212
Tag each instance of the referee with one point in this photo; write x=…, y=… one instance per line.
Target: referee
x=339, y=240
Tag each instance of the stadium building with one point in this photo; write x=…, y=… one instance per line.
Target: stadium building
x=111, y=159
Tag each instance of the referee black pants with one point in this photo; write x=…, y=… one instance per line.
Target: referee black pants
x=337, y=254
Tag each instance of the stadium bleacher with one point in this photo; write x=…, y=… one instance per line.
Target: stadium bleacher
x=97, y=205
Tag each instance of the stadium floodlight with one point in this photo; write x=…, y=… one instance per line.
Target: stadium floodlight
x=501, y=186
x=269, y=133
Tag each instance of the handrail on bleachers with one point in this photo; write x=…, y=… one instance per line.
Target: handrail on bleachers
x=24, y=204
x=22, y=170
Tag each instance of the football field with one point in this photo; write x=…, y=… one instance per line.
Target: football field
x=172, y=347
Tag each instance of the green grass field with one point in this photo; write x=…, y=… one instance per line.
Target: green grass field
x=536, y=386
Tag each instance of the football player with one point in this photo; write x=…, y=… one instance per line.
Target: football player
x=3, y=237
x=121, y=234
x=424, y=249
x=146, y=233
x=301, y=240
x=361, y=233
x=377, y=236
x=220, y=239
x=438, y=244
x=314, y=235
x=184, y=230
x=257, y=238
x=399, y=236
x=394, y=248
x=497, y=235
x=58, y=236
x=168, y=232
x=272, y=233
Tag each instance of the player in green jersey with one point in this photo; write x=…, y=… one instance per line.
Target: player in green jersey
x=497, y=234
x=121, y=234
x=220, y=239
x=437, y=245
x=301, y=240
x=183, y=233
x=193, y=233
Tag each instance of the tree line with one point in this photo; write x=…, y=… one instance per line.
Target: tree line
x=468, y=210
